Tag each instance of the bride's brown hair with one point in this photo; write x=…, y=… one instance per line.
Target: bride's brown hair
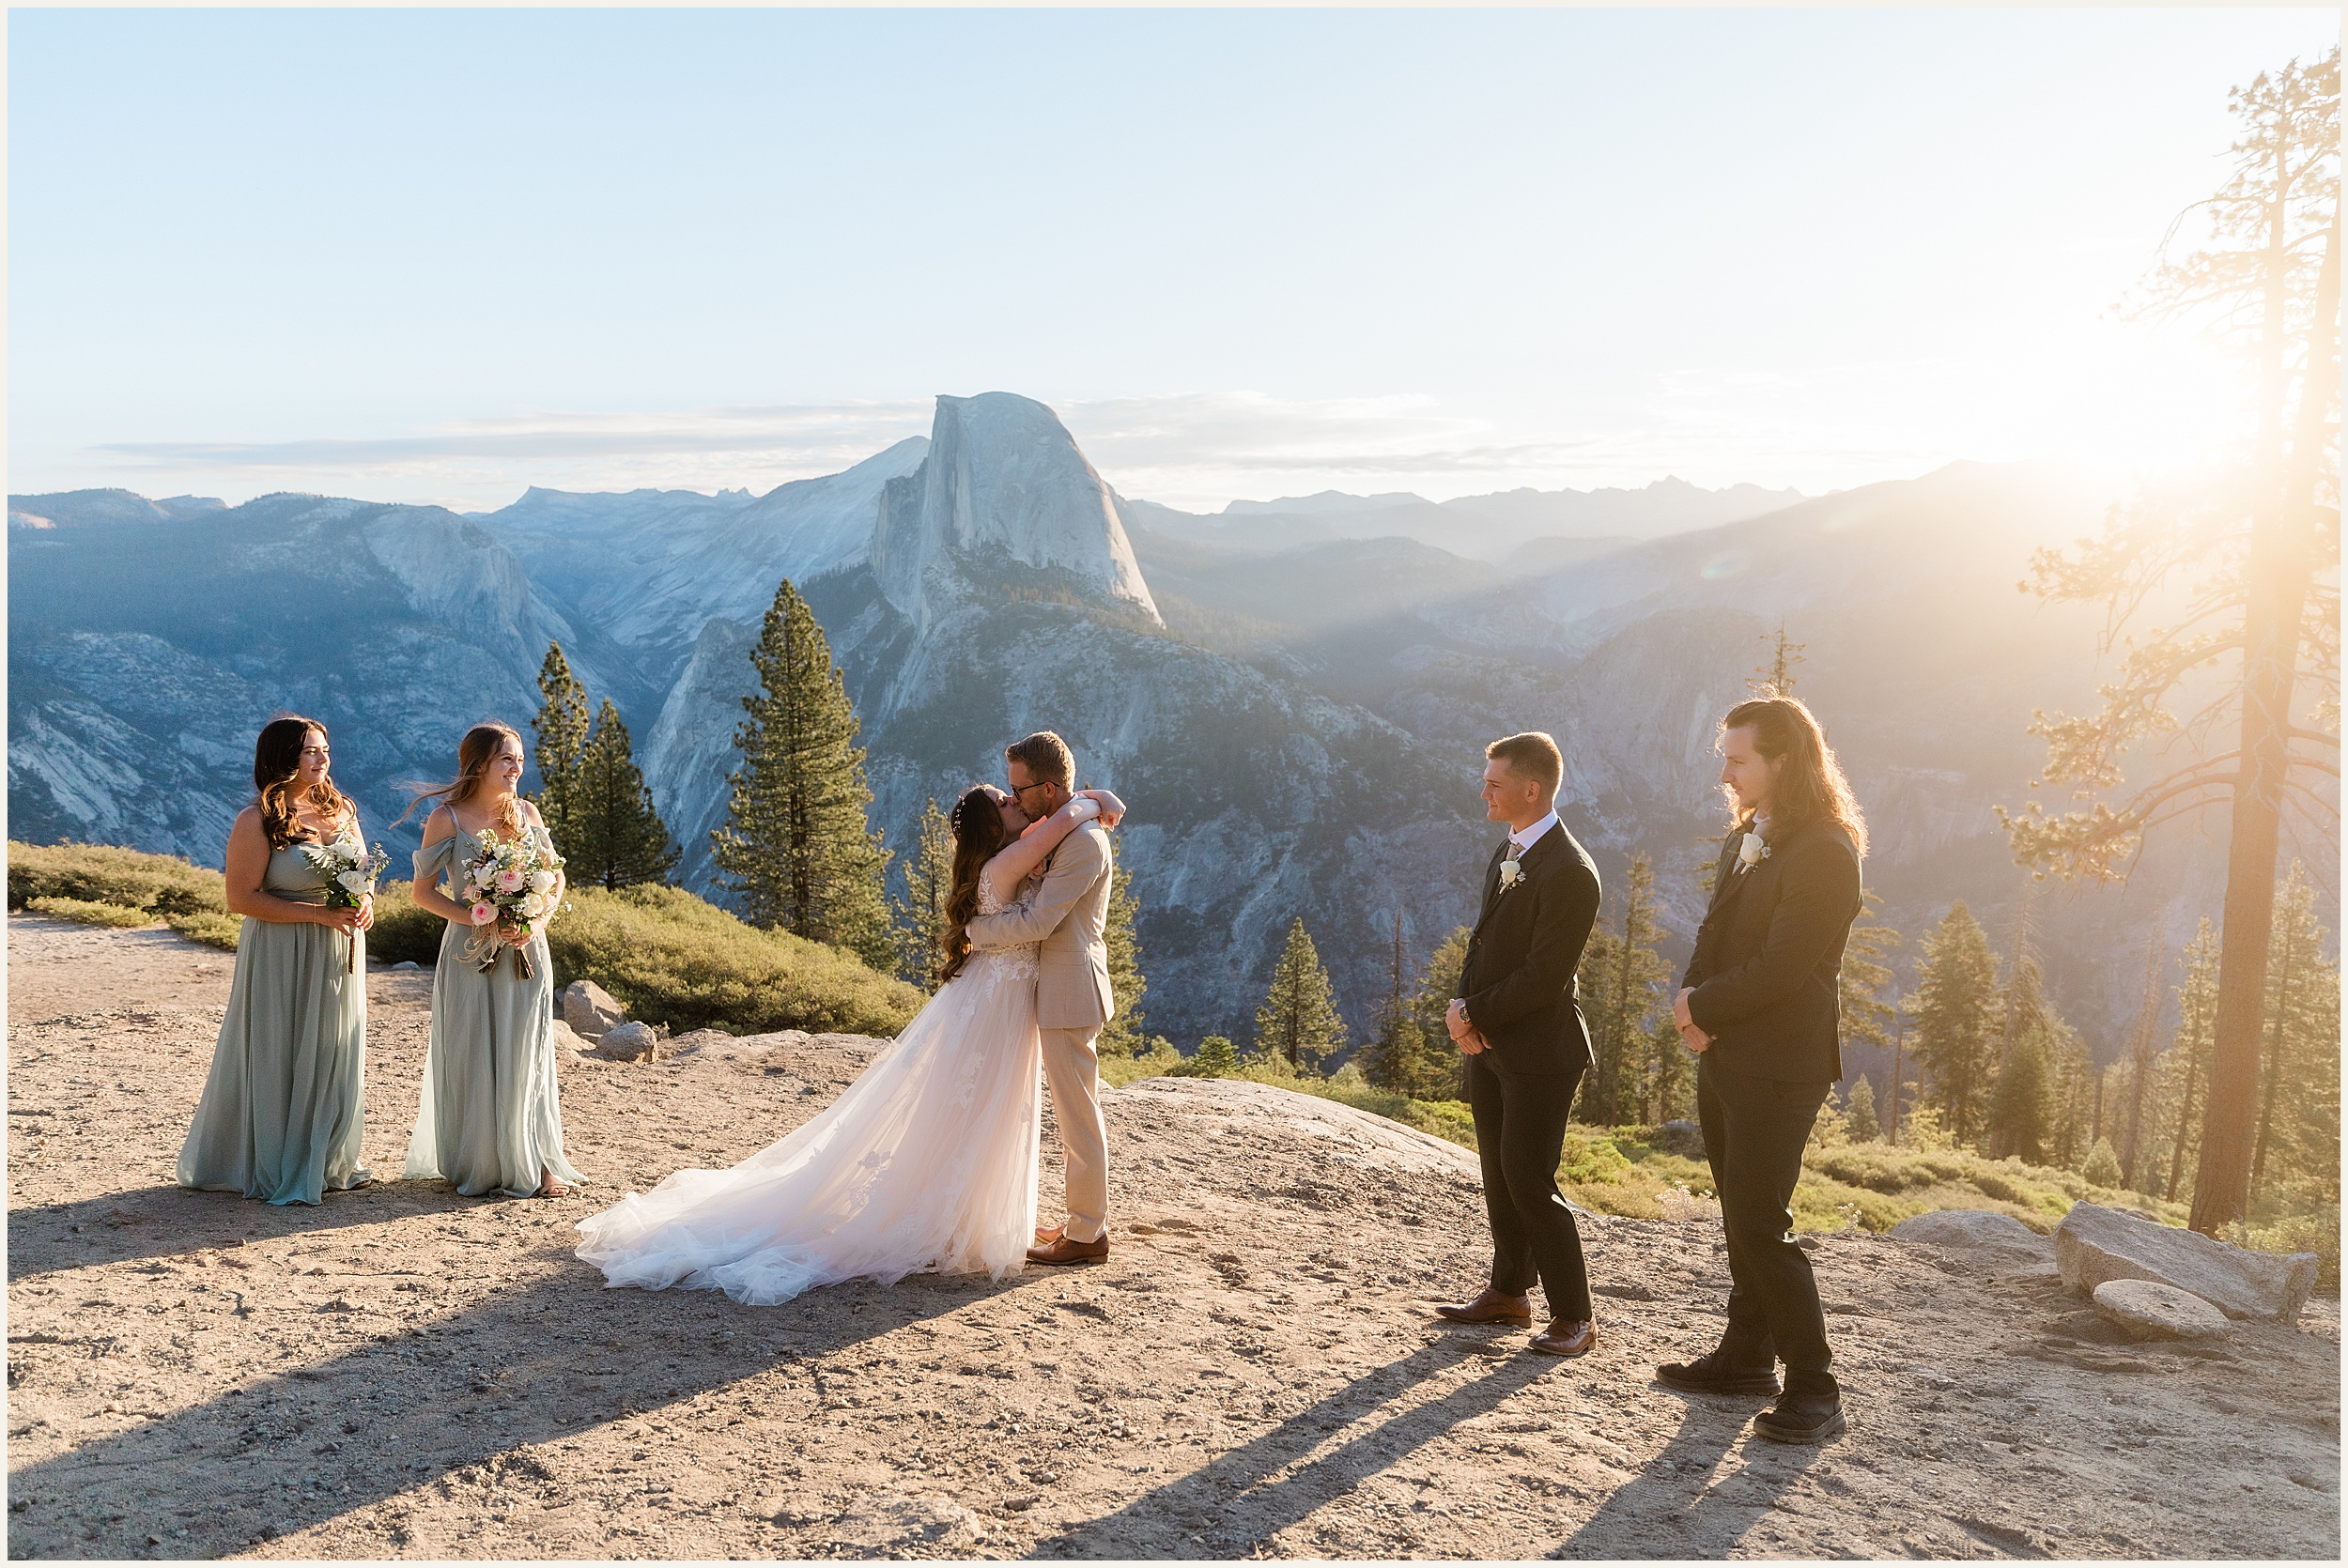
x=475, y=753
x=977, y=819
x=276, y=769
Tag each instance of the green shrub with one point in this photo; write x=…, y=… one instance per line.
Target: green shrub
x=2315, y=1231
x=671, y=958
x=90, y=913
x=213, y=930
x=103, y=874
x=402, y=934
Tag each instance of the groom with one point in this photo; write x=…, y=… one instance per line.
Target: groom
x=1070, y=915
x=1517, y=1022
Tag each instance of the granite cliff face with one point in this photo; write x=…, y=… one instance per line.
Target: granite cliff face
x=1298, y=728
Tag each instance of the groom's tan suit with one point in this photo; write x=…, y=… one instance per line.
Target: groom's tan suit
x=1070, y=915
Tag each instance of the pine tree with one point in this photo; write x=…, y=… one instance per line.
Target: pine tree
x=1866, y=1016
x=1859, y=1120
x=2255, y=650
x=2197, y=1013
x=1298, y=1023
x=796, y=850
x=920, y=922
x=2102, y=1166
x=1671, y=1071
x=2302, y=1068
x=2018, y=1106
x=1954, y=1007
x=560, y=728
x=1215, y=1059
x=618, y=837
x=1121, y=1034
x=1776, y=678
x=2070, y=1073
x=1440, y=1062
x=1621, y=977
x=1392, y=1061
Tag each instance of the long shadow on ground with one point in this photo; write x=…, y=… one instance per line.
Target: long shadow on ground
x=386, y=1410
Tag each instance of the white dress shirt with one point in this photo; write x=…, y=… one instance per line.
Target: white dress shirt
x=1525, y=841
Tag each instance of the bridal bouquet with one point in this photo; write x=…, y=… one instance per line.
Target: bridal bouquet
x=510, y=887
x=349, y=869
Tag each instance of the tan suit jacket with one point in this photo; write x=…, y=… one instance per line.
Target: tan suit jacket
x=1069, y=915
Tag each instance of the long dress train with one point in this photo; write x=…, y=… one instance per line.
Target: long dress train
x=487, y=1118
x=925, y=1164
x=285, y=1103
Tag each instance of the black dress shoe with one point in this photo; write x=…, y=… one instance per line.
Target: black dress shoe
x=1802, y=1417
x=1711, y=1375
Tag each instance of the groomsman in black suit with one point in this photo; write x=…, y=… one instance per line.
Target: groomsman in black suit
x=1520, y=1027
x=1761, y=1005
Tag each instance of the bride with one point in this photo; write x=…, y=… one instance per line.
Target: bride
x=925, y=1164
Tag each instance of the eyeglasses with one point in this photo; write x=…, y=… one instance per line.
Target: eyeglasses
x=1020, y=789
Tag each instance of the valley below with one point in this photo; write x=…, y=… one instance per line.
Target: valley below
x=1256, y=1372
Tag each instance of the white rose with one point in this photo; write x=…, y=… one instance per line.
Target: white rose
x=352, y=882
x=541, y=881
x=1753, y=851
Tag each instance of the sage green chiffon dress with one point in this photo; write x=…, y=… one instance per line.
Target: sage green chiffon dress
x=285, y=1103
x=489, y=1120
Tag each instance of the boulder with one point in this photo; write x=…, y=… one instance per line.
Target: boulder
x=628, y=1042
x=2094, y=1244
x=2147, y=1311
x=1991, y=1242
x=565, y=1039
x=590, y=1010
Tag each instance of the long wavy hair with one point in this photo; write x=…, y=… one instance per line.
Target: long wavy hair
x=276, y=774
x=475, y=753
x=976, y=821
x=1810, y=785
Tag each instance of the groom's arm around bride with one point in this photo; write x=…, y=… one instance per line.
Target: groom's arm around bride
x=1519, y=1025
x=1069, y=916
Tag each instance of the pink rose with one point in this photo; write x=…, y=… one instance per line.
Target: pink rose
x=511, y=882
x=484, y=912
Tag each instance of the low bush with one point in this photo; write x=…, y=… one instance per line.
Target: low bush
x=668, y=956
x=122, y=879
x=671, y=958
x=91, y=913
x=2316, y=1231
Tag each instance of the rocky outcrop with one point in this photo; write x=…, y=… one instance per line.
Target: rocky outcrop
x=590, y=1010
x=1984, y=1239
x=1005, y=495
x=2094, y=1244
x=2146, y=1311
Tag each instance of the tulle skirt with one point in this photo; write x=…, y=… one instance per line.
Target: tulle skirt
x=926, y=1164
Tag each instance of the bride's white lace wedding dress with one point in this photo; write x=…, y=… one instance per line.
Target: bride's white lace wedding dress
x=925, y=1164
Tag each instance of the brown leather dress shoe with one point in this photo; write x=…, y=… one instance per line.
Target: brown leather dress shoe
x=1064, y=1251
x=1492, y=1307
x=1566, y=1337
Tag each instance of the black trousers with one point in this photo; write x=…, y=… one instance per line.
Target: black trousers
x=1520, y=1136
x=1753, y=1133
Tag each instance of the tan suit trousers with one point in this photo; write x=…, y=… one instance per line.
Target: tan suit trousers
x=1072, y=1069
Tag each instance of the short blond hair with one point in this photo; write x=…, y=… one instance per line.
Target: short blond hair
x=1533, y=755
x=1045, y=757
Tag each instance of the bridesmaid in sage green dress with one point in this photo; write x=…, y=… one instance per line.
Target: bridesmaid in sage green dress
x=284, y=1105
x=489, y=1120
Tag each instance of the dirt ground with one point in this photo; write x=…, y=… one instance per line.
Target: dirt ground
x=405, y=1372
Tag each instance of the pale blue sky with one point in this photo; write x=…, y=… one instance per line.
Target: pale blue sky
x=438, y=256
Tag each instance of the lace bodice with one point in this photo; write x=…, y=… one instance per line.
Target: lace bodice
x=1022, y=962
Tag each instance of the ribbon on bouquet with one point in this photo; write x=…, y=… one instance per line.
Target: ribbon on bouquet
x=482, y=949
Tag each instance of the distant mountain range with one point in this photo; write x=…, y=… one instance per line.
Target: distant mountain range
x=1293, y=695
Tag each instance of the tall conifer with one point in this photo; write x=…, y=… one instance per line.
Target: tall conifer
x=797, y=851
x=1121, y=1034
x=922, y=915
x=621, y=840
x=1298, y=1023
x=560, y=728
x=1622, y=976
x=1955, y=1009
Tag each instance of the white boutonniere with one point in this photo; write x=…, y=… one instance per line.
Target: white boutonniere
x=1512, y=868
x=1753, y=851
